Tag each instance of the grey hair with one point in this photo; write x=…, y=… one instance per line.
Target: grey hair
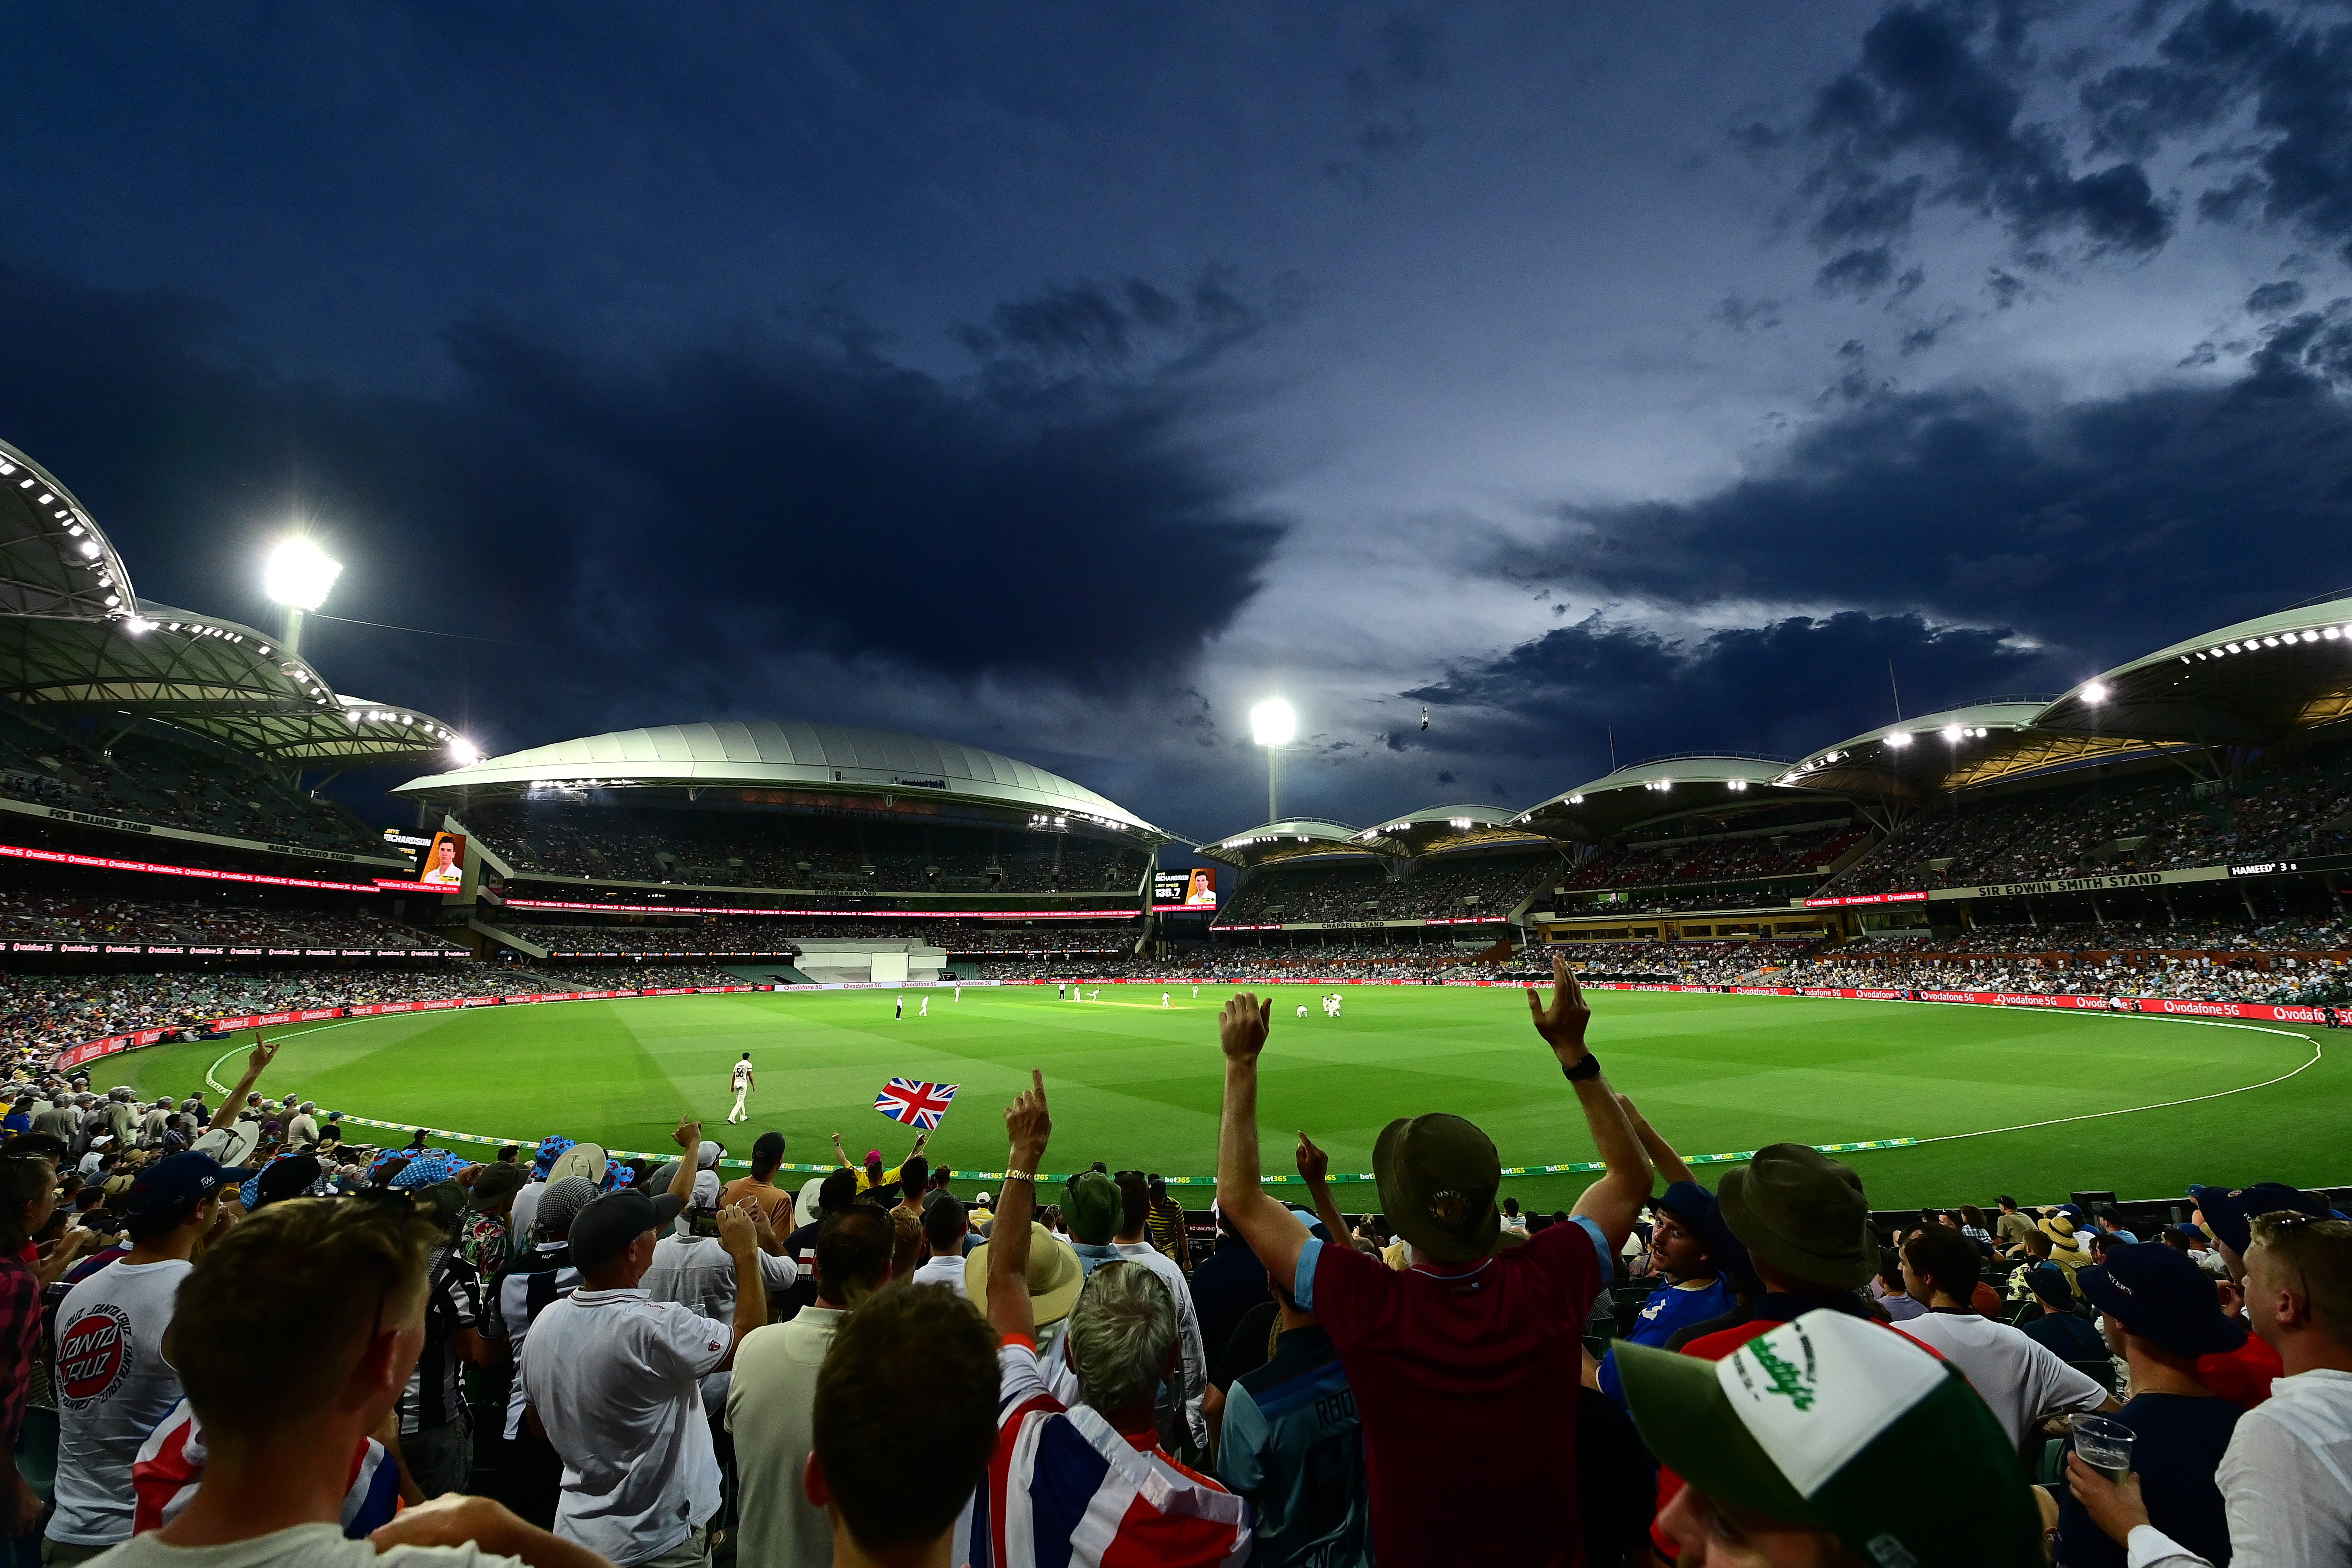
x=1119, y=1334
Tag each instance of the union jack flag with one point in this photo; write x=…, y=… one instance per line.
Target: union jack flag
x=917, y=1104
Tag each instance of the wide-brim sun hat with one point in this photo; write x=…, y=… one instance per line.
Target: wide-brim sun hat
x=1437, y=1176
x=1055, y=1276
x=586, y=1161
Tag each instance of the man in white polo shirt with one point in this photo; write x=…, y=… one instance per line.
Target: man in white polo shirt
x=615, y=1379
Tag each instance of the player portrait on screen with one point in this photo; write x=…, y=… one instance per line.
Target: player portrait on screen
x=444, y=863
x=1200, y=892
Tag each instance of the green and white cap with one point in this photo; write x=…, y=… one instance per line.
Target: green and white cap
x=1840, y=1424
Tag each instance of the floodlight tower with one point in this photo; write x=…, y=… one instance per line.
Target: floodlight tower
x=299, y=575
x=1274, y=725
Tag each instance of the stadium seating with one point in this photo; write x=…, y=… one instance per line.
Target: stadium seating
x=1336, y=893
x=27, y=917
x=746, y=850
x=2156, y=822
x=150, y=780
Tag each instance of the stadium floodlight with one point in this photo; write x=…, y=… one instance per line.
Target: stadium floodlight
x=464, y=750
x=299, y=575
x=1274, y=725
x=2094, y=693
x=1900, y=738
x=1954, y=733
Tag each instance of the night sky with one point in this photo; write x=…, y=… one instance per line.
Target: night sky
x=1065, y=379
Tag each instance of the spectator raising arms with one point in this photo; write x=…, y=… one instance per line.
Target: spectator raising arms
x=1086, y=1484
x=1467, y=1364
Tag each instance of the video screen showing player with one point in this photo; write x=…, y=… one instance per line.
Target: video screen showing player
x=1200, y=892
x=444, y=862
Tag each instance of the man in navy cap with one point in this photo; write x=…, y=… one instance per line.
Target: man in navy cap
x=113, y=1384
x=2159, y=1311
x=2228, y=1214
x=1681, y=1250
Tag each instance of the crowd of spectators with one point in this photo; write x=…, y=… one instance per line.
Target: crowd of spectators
x=625, y=977
x=1330, y=960
x=33, y=916
x=2157, y=822
x=153, y=780
x=781, y=937
x=756, y=849
x=1364, y=890
x=236, y=1337
x=49, y=1011
x=2289, y=961
x=1804, y=851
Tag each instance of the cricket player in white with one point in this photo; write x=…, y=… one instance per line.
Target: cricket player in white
x=924, y=1010
x=743, y=1083
x=902, y=1009
x=1163, y=999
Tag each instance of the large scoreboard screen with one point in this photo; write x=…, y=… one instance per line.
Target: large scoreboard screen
x=1179, y=890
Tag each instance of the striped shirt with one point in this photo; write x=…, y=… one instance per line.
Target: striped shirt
x=1065, y=1490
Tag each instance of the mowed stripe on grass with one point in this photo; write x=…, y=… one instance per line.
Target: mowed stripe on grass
x=1139, y=1085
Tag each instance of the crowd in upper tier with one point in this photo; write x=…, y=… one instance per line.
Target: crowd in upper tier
x=1443, y=887
x=26, y=915
x=2153, y=822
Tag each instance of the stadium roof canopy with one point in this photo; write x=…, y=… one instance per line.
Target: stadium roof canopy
x=764, y=754
x=1295, y=838
x=1977, y=744
x=73, y=635
x=2246, y=685
x=1664, y=789
x=1434, y=830
x=54, y=561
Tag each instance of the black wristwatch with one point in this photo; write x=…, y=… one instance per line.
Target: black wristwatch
x=1588, y=1068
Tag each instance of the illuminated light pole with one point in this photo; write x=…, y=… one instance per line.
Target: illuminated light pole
x=1274, y=725
x=299, y=575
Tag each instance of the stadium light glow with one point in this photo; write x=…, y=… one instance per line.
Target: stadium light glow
x=1273, y=723
x=2094, y=693
x=464, y=750
x=1954, y=733
x=299, y=574
x=1901, y=738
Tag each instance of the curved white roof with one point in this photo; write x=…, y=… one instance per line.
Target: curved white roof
x=765, y=753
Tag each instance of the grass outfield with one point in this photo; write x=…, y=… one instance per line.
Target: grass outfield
x=1136, y=1085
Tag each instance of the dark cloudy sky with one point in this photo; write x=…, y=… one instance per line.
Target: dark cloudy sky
x=1062, y=379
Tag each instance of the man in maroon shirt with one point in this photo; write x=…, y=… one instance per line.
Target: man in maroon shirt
x=1466, y=1365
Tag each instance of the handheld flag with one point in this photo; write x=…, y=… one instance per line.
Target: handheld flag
x=917, y=1104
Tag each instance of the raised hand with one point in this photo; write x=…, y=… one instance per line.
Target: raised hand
x=1028, y=1124
x=1242, y=1027
x=737, y=1232
x=690, y=1133
x=265, y=1051
x=1561, y=1024
x=1313, y=1163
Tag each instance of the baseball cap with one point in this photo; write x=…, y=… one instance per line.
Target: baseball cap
x=706, y=1155
x=1092, y=1205
x=768, y=1146
x=2161, y=1295
x=1687, y=1202
x=1437, y=1176
x=1055, y=1275
x=173, y=1185
x=2229, y=1211
x=1836, y=1423
x=2049, y=1281
x=873, y=1156
x=1803, y=1213
x=606, y=1227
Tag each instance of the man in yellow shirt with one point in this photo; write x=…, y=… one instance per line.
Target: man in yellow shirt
x=872, y=1174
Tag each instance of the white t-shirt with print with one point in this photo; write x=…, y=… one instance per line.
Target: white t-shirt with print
x=303, y=1546
x=616, y=1380
x=112, y=1385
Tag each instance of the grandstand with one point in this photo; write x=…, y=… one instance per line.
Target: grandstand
x=793, y=841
